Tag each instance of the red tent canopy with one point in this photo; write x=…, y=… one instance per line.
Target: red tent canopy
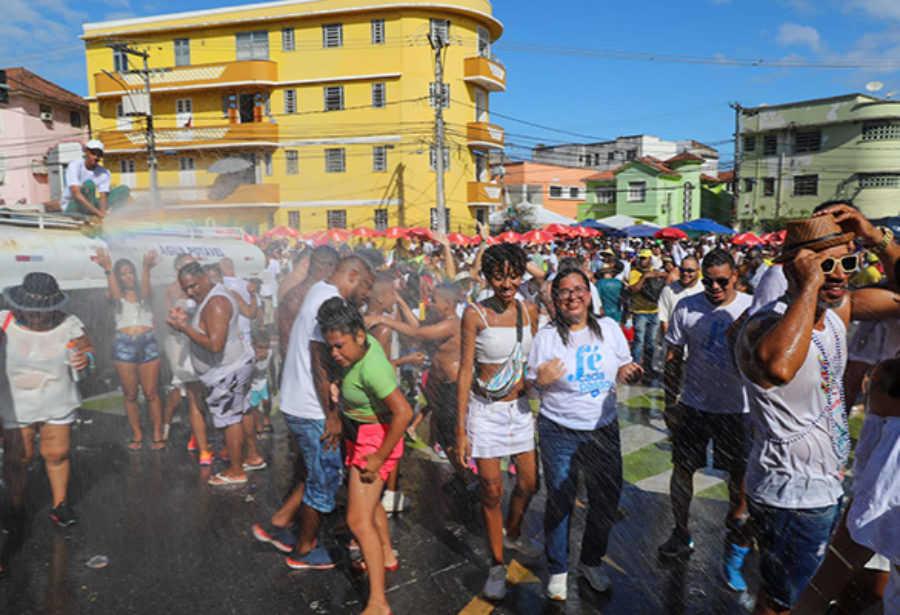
x=746, y=239
x=396, y=232
x=670, y=233
x=459, y=239
x=337, y=235
x=509, y=237
x=538, y=236
x=250, y=238
x=364, y=232
x=421, y=231
x=558, y=229
x=776, y=237
x=281, y=232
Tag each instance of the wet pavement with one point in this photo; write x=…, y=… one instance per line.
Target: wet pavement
x=175, y=544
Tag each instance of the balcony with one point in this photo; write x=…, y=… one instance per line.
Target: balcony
x=483, y=194
x=198, y=76
x=198, y=197
x=252, y=134
x=485, y=73
x=481, y=135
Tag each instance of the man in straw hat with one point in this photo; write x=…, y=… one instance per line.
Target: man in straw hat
x=791, y=355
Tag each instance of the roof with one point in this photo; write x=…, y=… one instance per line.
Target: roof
x=598, y=177
x=751, y=110
x=24, y=82
x=685, y=157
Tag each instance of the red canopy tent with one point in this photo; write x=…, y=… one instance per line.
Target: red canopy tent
x=776, y=237
x=421, y=232
x=559, y=229
x=746, y=239
x=396, y=232
x=281, y=232
x=337, y=235
x=509, y=237
x=538, y=236
x=364, y=232
x=459, y=239
x=250, y=238
x=670, y=233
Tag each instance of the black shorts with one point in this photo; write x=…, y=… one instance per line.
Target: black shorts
x=692, y=430
x=441, y=399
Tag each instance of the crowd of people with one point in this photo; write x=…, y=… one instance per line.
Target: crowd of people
x=510, y=352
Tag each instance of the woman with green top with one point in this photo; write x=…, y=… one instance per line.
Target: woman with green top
x=375, y=416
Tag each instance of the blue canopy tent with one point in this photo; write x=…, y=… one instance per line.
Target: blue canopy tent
x=705, y=225
x=638, y=230
x=594, y=224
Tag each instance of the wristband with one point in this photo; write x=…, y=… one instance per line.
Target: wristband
x=90, y=355
x=538, y=388
x=107, y=272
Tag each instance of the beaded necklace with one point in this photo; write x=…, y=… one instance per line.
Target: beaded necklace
x=830, y=368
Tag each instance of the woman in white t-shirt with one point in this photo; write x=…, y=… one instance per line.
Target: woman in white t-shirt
x=574, y=364
x=41, y=351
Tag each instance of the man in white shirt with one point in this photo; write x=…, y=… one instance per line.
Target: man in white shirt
x=687, y=284
x=268, y=292
x=87, y=188
x=711, y=407
x=313, y=419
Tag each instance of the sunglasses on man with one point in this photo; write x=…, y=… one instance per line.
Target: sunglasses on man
x=722, y=282
x=849, y=263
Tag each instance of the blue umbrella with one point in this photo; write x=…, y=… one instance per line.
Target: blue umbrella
x=638, y=230
x=705, y=225
x=591, y=223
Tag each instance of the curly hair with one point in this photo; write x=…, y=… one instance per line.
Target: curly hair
x=336, y=315
x=496, y=258
x=561, y=324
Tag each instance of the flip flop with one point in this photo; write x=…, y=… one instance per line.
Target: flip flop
x=158, y=445
x=359, y=565
x=139, y=445
x=221, y=479
x=250, y=467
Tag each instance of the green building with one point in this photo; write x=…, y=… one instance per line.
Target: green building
x=796, y=155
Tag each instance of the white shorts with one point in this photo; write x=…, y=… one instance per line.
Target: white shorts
x=499, y=428
x=63, y=420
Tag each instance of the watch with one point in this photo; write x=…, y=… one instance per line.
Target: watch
x=887, y=236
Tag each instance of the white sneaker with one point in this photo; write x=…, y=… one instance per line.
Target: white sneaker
x=557, y=586
x=495, y=586
x=526, y=546
x=394, y=501
x=598, y=579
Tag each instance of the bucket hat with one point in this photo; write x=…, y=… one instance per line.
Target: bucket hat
x=38, y=292
x=816, y=234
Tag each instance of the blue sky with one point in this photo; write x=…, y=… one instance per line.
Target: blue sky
x=578, y=89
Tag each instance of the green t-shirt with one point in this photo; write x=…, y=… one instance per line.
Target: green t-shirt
x=366, y=383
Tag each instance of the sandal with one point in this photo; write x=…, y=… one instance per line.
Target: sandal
x=158, y=445
x=135, y=445
x=359, y=566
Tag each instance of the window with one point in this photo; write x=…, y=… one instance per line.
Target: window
x=332, y=35
x=287, y=42
x=182, y=51
x=184, y=112
x=294, y=219
x=770, y=145
x=574, y=193
x=806, y=185
x=76, y=120
x=120, y=61
x=440, y=30
x=267, y=161
x=334, y=97
x=768, y=186
x=379, y=158
x=880, y=131
x=610, y=156
x=252, y=45
x=442, y=98
x=809, y=141
x=291, y=162
x=484, y=42
x=381, y=219
x=377, y=31
x=748, y=185
x=432, y=158
x=605, y=194
x=879, y=181
x=434, y=219
x=126, y=171
x=378, y=101
x=556, y=192
x=749, y=144
x=335, y=160
x=187, y=171
x=631, y=155
x=337, y=218
x=290, y=101
x=637, y=192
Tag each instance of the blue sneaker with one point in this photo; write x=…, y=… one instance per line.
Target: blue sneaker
x=282, y=538
x=317, y=559
x=734, y=561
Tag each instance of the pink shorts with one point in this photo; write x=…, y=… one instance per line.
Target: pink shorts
x=369, y=438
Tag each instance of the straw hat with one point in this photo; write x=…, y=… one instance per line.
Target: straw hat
x=816, y=234
x=38, y=292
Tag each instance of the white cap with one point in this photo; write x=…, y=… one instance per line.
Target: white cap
x=95, y=144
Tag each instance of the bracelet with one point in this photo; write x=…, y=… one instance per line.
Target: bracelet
x=90, y=355
x=537, y=388
x=887, y=236
x=107, y=272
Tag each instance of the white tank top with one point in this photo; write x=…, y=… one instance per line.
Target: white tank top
x=133, y=314
x=35, y=384
x=213, y=366
x=802, y=440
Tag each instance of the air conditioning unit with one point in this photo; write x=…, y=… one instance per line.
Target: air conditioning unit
x=47, y=116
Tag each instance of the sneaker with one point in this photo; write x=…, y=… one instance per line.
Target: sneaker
x=731, y=569
x=206, y=457
x=317, y=559
x=192, y=444
x=526, y=546
x=394, y=501
x=63, y=515
x=282, y=538
x=495, y=586
x=597, y=578
x=440, y=451
x=679, y=543
x=557, y=586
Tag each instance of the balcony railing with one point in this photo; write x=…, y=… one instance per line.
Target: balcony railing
x=483, y=194
x=198, y=76
x=258, y=134
x=481, y=135
x=486, y=73
x=198, y=196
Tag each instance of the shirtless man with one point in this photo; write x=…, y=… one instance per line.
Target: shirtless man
x=223, y=364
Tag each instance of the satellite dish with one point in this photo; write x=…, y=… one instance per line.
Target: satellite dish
x=891, y=94
x=874, y=86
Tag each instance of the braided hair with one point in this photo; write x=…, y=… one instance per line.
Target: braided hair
x=561, y=324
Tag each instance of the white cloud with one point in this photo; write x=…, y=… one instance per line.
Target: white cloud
x=794, y=34
x=877, y=9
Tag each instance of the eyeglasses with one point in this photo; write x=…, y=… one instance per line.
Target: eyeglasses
x=722, y=282
x=579, y=291
x=687, y=270
x=849, y=263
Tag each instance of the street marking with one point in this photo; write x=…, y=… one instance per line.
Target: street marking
x=659, y=483
x=609, y=561
x=516, y=573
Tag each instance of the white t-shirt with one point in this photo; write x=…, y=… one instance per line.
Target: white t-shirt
x=584, y=398
x=671, y=294
x=77, y=174
x=242, y=288
x=269, y=286
x=711, y=380
x=298, y=389
x=772, y=286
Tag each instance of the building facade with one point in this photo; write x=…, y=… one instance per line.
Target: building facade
x=796, y=155
x=330, y=105
x=38, y=116
x=555, y=188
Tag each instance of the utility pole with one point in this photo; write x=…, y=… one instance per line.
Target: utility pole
x=737, y=155
x=436, y=38
x=152, y=161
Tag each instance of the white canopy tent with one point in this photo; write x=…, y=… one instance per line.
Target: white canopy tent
x=542, y=217
x=620, y=221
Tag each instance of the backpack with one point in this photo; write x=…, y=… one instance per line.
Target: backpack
x=652, y=288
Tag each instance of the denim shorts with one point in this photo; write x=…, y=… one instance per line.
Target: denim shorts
x=792, y=544
x=323, y=467
x=140, y=348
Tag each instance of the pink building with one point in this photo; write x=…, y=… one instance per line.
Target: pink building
x=39, y=115
x=556, y=188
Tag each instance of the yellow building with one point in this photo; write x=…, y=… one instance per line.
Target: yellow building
x=329, y=102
